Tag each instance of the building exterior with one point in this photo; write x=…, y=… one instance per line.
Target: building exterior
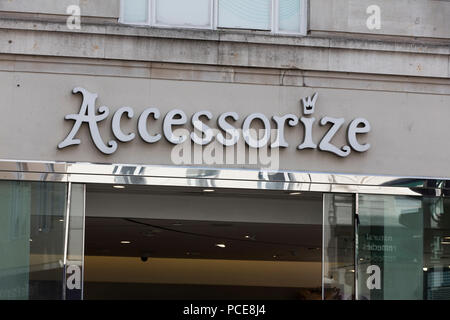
x=284, y=149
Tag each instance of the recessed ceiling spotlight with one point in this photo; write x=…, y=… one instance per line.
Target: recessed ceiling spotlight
x=177, y=224
x=125, y=242
x=445, y=242
x=119, y=187
x=208, y=190
x=425, y=269
x=31, y=240
x=61, y=220
x=220, y=245
x=295, y=193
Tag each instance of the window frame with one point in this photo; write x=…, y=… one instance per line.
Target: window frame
x=214, y=19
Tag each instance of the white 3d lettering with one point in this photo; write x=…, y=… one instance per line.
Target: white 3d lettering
x=204, y=134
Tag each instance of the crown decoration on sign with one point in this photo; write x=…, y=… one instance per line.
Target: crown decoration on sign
x=309, y=104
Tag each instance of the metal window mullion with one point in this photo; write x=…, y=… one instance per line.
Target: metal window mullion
x=84, y=242
x=215, y=14
x=323, y=245
x=151, y=12
x=356, y=231
x=275, y=22
x=66, y=237
x=304, y=17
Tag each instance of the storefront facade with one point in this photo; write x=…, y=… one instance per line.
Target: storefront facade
x=129, y=158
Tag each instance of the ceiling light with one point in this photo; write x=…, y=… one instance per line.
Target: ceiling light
x=208, y=190
x=119, y=187
x=446, y=238
x=352, y=270
x=220, y=245
x=295, y=193
x=445, y=242
x=61, y=220
x=125, y=242
x=31, y=240
x=425, y=269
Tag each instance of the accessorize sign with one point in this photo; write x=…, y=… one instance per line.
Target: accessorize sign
x=227, y=135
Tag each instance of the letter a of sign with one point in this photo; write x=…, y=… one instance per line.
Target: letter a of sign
x=374, y=280
x=87, y=115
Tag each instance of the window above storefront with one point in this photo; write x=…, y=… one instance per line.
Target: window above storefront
x=274, y=16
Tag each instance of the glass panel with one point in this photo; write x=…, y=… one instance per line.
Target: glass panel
x=195, y=13
x=135, y=11
x=289, y=15
x=338, y=247
x=437, y=248
x=31, y=239
x=245, y=14
x=390, y=248
x=75, y=249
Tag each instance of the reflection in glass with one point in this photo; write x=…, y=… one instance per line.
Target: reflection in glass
x=436, y=248
x=390, y=248
x=31, y=239
x=338, y=242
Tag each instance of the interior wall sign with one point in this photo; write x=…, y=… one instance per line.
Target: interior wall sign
x=228, y=135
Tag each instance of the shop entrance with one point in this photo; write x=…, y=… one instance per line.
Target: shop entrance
x=195, y=243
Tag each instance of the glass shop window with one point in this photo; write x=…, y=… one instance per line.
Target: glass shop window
x=275, y=16
x=403, y=248
x=32, y=220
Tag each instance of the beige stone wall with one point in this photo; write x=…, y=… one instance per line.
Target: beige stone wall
x=408, y=18
x=409, y=116
x=89, y=8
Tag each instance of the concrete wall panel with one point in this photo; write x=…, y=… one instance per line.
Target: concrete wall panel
x=408, y=129
x=414, y=18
